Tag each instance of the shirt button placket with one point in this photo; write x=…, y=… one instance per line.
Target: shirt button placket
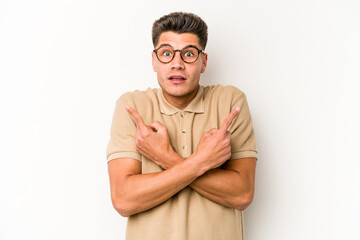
x=184, y=141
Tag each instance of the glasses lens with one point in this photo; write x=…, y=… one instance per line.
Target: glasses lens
x=165, y=54
x=189, y=54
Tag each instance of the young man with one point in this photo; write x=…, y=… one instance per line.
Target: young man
x=182, y=158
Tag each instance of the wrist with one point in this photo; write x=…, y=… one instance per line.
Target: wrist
x=201, y=165
x=172, y=158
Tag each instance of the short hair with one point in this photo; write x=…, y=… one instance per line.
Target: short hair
x=180, y=22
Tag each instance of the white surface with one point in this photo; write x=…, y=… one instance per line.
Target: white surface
x=64, y=63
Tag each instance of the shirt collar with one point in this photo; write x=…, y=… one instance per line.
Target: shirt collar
x=195, y=106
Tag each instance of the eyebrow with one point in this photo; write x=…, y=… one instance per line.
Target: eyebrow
x=168, y=45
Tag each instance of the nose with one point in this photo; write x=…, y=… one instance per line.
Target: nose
x=177, y=62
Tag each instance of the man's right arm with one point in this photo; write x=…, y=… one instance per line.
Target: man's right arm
x=133, y=192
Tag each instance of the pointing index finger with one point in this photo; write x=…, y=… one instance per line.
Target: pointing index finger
x=228, y=120
x=139, y=121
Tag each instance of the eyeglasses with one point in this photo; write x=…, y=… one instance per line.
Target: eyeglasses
x=166, y=54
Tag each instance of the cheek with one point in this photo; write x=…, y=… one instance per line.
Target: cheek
x=196, y=70
x=161, y=70
x=161, y=74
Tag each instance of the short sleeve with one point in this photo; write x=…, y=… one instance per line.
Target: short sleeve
x=123, y=132
x=243, y=143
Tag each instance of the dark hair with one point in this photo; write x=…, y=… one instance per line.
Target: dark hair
x=180, y=22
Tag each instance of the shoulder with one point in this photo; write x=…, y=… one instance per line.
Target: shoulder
x=221, y=92
x=138, y=97
x=145, y=103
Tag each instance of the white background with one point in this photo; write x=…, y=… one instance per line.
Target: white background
x=64, y=63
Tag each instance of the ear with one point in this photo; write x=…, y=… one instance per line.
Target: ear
x=204, y=62
x=154, y=59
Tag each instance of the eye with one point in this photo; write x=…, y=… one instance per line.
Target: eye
x=167, y=53
x=189, y=54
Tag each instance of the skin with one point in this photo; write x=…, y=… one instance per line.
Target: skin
x=207, y=170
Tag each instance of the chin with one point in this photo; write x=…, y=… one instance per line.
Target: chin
x=177, y=94
x=181, y=93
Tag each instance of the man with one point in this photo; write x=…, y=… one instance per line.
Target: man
x=182, y=158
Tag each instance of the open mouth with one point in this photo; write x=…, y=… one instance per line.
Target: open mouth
x=177, y=79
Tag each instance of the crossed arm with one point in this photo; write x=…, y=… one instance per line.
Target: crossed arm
x=207, y=171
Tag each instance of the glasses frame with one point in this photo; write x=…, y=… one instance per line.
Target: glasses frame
x=178, y=50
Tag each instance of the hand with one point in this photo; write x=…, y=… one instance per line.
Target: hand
x=214, y=147
x=153, y=142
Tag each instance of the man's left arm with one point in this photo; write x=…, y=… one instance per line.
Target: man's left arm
x=232, y=185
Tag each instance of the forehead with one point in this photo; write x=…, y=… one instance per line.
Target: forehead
x=178, y=40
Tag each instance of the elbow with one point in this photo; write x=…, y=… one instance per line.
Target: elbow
x=243, y=201
x=123, y=208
